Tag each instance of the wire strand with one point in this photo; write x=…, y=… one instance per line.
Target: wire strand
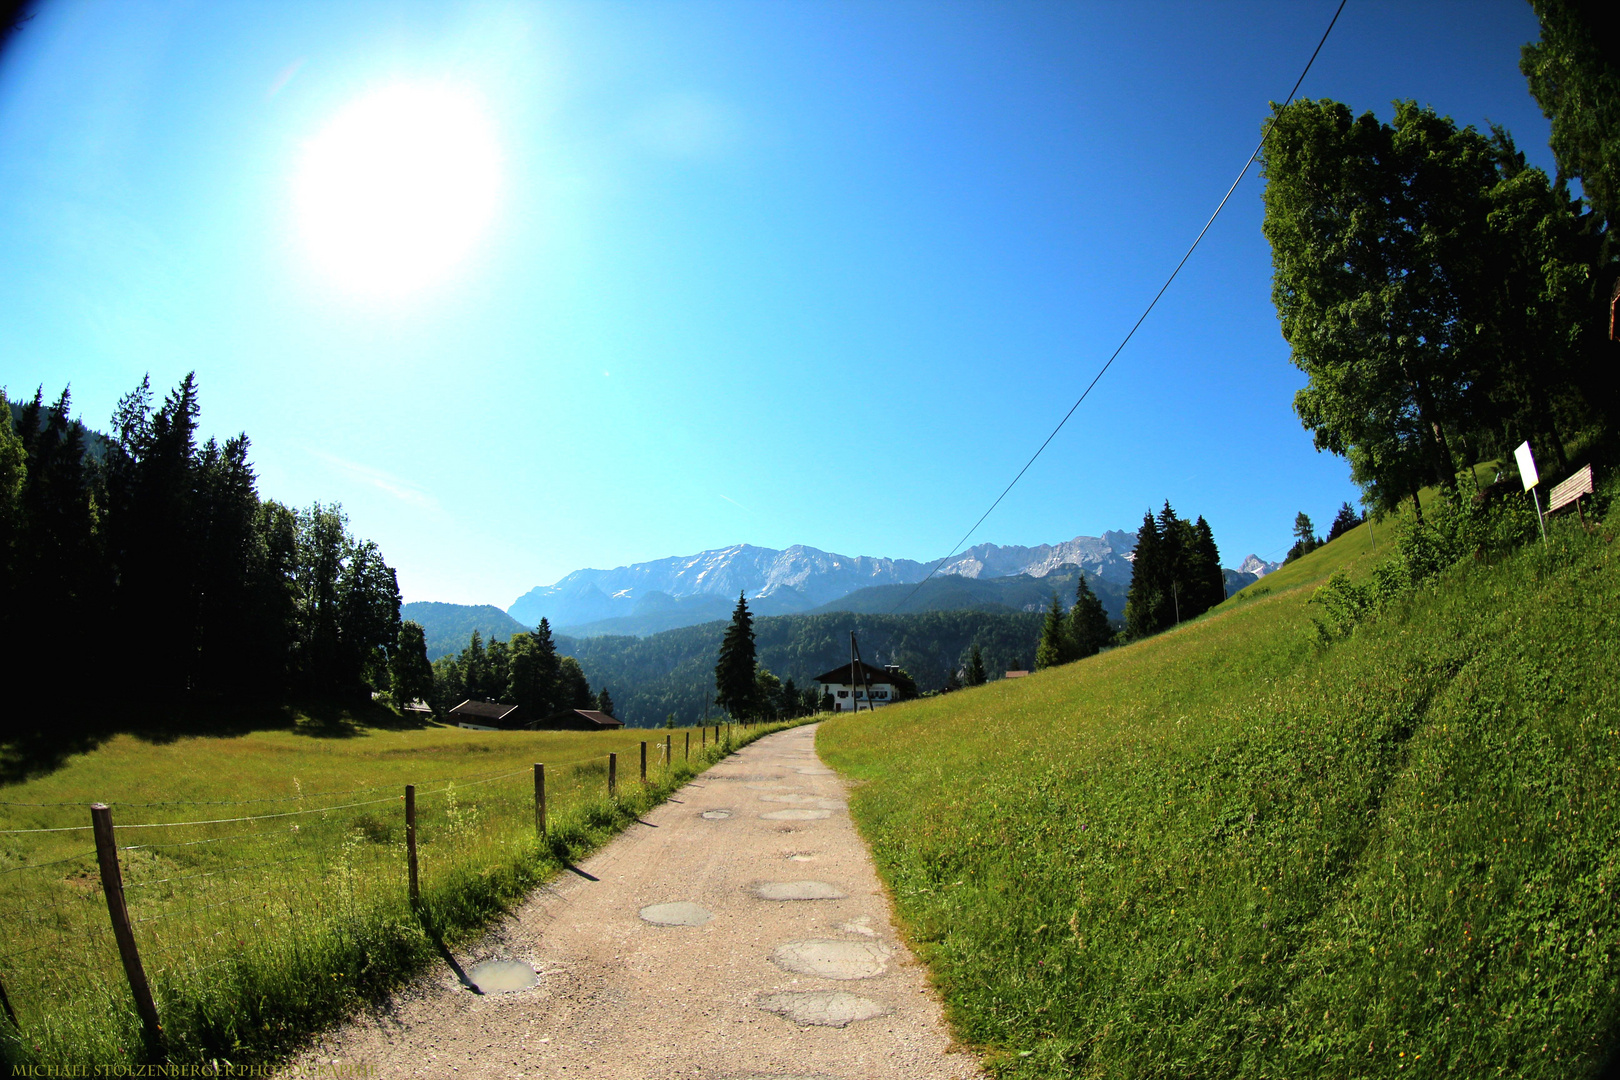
x=1264, y=135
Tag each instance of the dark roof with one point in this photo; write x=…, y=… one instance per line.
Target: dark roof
x=601, y=719
x=849, y=675
x=488, y=710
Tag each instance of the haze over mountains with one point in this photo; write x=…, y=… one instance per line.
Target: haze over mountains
x=645, y=598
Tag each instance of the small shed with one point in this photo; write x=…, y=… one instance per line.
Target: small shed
x=575, y=720
x=1015, y=674
x=487, y=716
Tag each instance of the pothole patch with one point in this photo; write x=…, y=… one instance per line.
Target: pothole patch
x=797, y=890
x=860, y=924
x=789, y=797
x=825, y=1008
x=796, y=814
x=716, y=815
x=502, y=976
x=799, y=856
x=676, y=913
x=834, y=959
x=812, y=770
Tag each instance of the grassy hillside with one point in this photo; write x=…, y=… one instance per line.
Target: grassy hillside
x=265, y=874
x=1235, y=849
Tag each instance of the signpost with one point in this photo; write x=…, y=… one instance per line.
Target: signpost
x=1527, y=474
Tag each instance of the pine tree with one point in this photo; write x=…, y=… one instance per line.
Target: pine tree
x=735, y=688
x=533, y=679
x=976, y=675
x=1346, y=520
x=604, y=702
x=1145, y=599
x=1206, y=585
x=1088, y=622
x=1305, y=540
x=475, y=668
x=1054, y=647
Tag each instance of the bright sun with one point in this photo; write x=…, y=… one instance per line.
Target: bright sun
x=398, y=187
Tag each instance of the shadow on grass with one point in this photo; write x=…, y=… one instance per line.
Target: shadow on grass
x=42, y=738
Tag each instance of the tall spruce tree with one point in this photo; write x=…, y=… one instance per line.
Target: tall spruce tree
x=1088, y=622
x=1206, y=585
x=604, y=701
x=1145, y=600
x=734, y=673
x=1054, y=647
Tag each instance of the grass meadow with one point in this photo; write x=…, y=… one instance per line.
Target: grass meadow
x=1238, y=849
x=283, y=906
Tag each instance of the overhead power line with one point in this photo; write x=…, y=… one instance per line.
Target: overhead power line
x=1264, y=135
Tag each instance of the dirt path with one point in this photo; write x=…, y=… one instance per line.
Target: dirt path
x=739, y=933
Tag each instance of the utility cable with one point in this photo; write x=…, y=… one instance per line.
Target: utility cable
x=1264, y=135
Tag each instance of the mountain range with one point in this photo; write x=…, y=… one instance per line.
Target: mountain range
x=646, y=598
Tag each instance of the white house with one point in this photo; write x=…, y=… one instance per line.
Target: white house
x=849, y=686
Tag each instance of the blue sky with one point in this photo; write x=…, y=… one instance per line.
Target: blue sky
x=773, y=273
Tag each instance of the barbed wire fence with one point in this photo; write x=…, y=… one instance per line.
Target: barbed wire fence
x=179, y=918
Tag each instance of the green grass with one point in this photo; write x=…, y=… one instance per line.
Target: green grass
x=256, y=933
x=1235, y=850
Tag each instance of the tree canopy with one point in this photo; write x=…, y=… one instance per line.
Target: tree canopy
x=1428, y=283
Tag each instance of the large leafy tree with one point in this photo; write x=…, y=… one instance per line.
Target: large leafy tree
x=411, y=676
x=1574, y=75
x=1426, y=281
x=736, y=690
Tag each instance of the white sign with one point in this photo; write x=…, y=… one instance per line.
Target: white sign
x=1527, y=466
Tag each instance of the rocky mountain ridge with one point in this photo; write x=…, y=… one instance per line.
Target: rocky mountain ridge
x=689, y=589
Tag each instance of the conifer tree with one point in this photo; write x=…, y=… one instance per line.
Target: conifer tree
x=1206, y=585
x=734, y=684
x=1054, y=647
x=604, y=701
x=1088, y=622
x=976, y=675
x=1145, y=599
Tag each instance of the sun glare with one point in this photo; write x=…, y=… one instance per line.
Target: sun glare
x=398, y=188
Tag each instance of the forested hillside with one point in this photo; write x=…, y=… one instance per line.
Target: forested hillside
x=448, y=627
x=141, y=571
x=673, y=672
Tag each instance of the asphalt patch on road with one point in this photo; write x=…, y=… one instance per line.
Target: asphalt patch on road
x=676, y=913
x=834, y=959
x=796, y=890
x=797, y=814
x=502, y=976
x=823, y=1008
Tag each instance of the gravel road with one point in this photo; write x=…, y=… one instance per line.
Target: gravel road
x=739, y=932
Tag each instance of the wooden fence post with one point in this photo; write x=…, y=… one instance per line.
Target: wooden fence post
x=688, y=746
x=112, y=883
x=669, y=754
x=613, y=775
x=644, y=763
x=540, y=798
x=6, y=1001
x=410, y=843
